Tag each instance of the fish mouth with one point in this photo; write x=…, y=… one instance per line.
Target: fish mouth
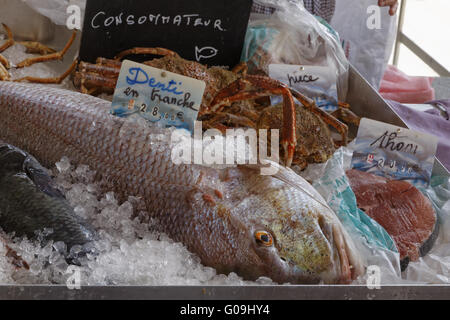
x=345, y=276
x=348, y=266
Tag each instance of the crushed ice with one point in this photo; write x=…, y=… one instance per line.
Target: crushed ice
x=127, y=253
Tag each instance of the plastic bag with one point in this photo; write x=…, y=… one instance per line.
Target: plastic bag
x=434, y=268
x=291, y=35
x=55, y=10
x=367, y=49
x=398, y=86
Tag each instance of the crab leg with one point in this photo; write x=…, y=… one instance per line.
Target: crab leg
x=109, y=63
x=346, y=115
x=55, y=80
x=325, y=116
x=344, y=105
x=10, y=40
x=240, y=68
x=4, y=66
x=4, y=74
x=49, y=57
x=252, y=115
x=235, y=92
x=36, y=47
x=89, y=81
x=4, y=62
x=102, y=70
x=102, y=76
x=154, y=51
x=229, y=118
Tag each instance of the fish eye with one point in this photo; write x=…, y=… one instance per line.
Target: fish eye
x=264, y=238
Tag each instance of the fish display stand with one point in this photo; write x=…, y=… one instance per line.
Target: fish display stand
x=365, y=102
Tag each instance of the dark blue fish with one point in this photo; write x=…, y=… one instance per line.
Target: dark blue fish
x=30, y=203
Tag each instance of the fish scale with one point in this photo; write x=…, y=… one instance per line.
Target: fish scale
x=133, y=159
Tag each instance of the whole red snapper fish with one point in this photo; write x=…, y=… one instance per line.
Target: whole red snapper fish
x=234, y=219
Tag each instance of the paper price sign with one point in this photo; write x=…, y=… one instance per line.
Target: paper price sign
x=317, y=82
x=159, y=96
x=394, y=152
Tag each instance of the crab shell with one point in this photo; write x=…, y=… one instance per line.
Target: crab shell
x=314, y=141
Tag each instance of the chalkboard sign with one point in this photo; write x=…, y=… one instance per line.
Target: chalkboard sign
x=211, y=32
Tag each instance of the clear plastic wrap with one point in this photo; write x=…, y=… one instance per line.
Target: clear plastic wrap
x=368, y=49
x=434, y=268
x=55, y=10
x=291, y=35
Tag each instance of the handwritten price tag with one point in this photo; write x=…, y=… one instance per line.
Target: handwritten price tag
x=394, y=152
x=157, y=95
x=317, y=82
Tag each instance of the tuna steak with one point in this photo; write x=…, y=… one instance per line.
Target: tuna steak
x=406, y=214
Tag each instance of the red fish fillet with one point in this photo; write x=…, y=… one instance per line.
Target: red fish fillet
x=406, y=214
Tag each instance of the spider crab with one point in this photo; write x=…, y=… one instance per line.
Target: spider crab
x=235, y=99
x=46, y=54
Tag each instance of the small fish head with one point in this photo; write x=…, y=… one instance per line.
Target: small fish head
x=11, y=159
